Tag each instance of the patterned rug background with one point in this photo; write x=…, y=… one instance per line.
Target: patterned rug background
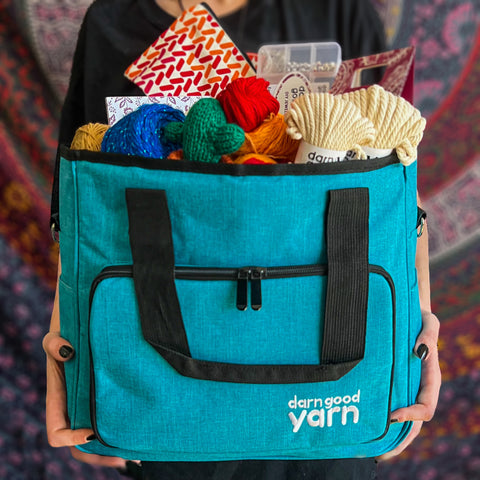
x=36, y=42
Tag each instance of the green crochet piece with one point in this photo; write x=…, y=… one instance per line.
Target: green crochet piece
x=205, y=135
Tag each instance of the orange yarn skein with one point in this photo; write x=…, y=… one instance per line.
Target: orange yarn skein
x=271, y=139
x=247, y=102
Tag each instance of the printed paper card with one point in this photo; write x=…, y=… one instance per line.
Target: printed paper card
x=194, y=56
x=118, y=107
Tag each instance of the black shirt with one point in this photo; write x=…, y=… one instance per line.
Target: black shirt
x=114, y=33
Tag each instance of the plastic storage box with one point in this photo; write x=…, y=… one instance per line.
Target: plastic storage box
x=318, y=62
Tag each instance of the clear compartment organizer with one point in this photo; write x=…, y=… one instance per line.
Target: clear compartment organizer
x=318, y=62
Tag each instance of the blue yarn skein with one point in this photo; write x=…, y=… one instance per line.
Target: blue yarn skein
x=141, y=132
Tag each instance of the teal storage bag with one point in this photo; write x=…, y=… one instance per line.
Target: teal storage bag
x=224, y=312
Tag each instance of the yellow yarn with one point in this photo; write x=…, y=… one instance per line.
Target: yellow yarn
x=398, y=123
x=329, y=122
x=89, y=137
x=271, y=139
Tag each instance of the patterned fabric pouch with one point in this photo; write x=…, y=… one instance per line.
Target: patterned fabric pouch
x=194, y=56
x=397, y=78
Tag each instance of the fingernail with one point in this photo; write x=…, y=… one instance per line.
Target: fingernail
x=393, y=420
x=66, y=351
x=91, y=437
x=422, y=351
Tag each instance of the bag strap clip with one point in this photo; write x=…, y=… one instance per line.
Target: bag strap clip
x=421, y=221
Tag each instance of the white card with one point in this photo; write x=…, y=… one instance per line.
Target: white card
x=118, y=107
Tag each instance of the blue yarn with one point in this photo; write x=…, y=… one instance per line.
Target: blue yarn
x=141, y=132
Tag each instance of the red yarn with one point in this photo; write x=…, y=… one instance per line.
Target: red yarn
x=254, y=161
x=247, y=102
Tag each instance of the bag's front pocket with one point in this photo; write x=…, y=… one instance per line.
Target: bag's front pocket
x=252, y=319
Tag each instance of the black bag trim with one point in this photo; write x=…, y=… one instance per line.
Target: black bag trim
x=348, y=166
x=54, y=202
x=347, y=284
x=160, y=315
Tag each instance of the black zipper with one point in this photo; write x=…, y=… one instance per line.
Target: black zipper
x=243, y=276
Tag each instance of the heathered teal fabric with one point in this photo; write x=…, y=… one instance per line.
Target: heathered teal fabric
x=143, y=408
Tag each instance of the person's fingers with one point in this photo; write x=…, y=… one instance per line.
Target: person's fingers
x=427, y=398
x=428, y=394
x=92, y=459
x=64, y=437
x=59, y=433
x=430, y=385
x=428, y=338
x=58, y=424
x=423, y=410
x=417, y=426
x=57, y=347
x=415, y=412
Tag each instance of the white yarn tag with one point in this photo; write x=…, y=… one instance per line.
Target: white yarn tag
x=372, y=152
x=308, y=153
x=290, y=87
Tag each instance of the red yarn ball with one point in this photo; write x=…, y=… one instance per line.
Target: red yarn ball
x=247, y=102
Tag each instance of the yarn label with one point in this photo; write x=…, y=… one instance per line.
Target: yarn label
x=371, y=152
x=290, y=87
x=308, y=153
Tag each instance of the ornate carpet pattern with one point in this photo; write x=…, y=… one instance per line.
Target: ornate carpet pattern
x=37, y=38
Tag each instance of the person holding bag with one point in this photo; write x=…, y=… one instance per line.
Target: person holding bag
x=97, y=72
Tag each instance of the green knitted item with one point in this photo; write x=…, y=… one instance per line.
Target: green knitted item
x=205, y=135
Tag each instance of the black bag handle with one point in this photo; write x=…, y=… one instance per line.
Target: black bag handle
x=347, y=293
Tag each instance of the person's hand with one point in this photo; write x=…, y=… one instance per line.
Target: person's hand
x=59, y=434
x=427, y=399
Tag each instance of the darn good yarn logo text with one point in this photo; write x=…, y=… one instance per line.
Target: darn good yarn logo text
x=324, y=412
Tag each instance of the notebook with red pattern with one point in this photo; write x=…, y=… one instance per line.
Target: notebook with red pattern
x=195, y=56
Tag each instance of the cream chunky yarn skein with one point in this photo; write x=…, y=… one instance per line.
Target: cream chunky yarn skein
x=398, y=123
x=329, y=122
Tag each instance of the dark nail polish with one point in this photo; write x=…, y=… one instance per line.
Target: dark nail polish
x=393, y=420
x=422, y=351
x=91, y=437
x=66, y=351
